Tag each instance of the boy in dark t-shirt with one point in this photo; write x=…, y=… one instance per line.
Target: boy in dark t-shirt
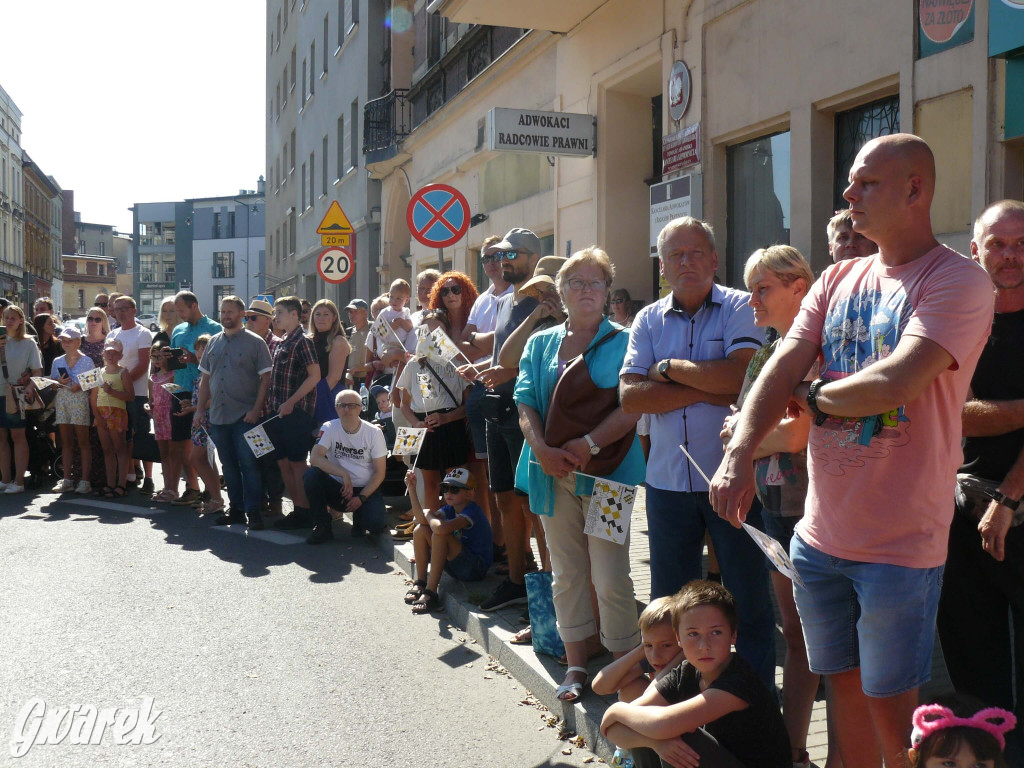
x=713, y=706
x=455, y=539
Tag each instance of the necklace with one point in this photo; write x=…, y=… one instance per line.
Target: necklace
x=348, y=431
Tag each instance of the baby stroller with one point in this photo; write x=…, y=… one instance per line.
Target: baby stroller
x=44, y=460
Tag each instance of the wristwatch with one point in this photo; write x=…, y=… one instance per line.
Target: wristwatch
x=1001, y=498
x=361, y=498
x=594, y=447
x=812, y=400
x=663, y=368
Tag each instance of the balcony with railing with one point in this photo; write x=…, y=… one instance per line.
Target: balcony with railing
x=386, y=122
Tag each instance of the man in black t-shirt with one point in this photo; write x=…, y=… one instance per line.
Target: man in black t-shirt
x=983, y=583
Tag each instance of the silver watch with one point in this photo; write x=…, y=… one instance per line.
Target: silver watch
x=594, y=447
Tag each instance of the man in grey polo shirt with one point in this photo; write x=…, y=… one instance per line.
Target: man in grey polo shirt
x=684, y=365
x=235, y=378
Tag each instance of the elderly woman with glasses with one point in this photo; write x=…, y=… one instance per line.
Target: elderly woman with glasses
x=622, y=307
x=554, y=474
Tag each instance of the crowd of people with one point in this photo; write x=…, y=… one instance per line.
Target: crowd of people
x=870, y=420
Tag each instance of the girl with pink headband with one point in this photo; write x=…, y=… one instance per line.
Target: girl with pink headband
x=945, y=736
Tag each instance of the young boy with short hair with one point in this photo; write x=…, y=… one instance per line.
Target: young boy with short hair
x=714, y=688
x=455, y=538
x=656, y=656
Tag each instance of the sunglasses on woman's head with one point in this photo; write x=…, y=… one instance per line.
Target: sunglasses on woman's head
x=455, y=289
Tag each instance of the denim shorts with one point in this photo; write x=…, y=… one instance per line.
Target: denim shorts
x=10, y=420
x=878, y=617
x=292, y=435
x=466, y=566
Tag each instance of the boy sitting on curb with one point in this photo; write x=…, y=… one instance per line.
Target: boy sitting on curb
x=455, y=538
x=714, y=688
x=656, y=656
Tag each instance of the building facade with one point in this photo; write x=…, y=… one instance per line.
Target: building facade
x=162, y=252
x=84, y=277
x=12, y=215
x=42, y=208
x=325, y=60
x=751, y=132
x=228, y=247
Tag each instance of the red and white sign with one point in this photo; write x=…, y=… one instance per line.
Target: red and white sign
x=941, y=19
x=679, y=87
x=336, y=265
x=437, y=215
x=680, y=149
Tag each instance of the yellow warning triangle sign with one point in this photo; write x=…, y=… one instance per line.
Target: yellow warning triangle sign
x=335, y=222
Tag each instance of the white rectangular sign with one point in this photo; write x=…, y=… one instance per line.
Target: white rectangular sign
x=543, y=133
x=672, y=199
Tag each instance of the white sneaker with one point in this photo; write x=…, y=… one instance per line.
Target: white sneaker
x=84, y=486
x=4, y=486
x=63, y=486
x=14, y=488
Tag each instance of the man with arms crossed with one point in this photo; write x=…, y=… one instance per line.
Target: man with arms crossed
x=898, y=335
x=684, y=365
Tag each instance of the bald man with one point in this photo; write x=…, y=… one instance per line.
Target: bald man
x=899, y=333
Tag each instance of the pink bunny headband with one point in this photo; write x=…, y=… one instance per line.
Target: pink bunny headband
x=935, y=717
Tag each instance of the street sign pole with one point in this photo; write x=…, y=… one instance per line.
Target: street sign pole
x=440, y=259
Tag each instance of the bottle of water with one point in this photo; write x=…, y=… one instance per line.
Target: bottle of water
x=623, y=758
x=364, y=393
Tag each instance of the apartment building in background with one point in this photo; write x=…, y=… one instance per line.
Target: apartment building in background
x=12, y=215
x=42, y=231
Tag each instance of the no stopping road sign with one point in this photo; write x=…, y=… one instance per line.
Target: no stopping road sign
x=438, y=215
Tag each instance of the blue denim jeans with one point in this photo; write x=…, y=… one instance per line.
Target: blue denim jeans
x=677, y=521
x=323, y=490
x=241, y=470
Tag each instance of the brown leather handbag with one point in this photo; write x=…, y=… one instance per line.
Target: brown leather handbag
x=578, y=406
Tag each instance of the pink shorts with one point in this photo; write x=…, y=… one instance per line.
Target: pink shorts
x=112, y=419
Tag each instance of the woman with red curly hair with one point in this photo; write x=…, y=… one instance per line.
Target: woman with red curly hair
x=454, y=293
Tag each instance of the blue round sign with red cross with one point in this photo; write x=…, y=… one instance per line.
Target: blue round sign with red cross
x=438, y=215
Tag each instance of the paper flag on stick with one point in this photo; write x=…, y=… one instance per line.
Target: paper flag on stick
x=258, y=441
x=43, y=382
x=408, y=441
x=611, y=509
x=171, y=387
x=442, y=348
x=90, y=379
x=211, y=450
x=772, y=548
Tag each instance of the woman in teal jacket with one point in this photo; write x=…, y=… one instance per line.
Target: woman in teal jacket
x=558, y=493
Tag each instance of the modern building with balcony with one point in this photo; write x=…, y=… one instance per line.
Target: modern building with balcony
x=12, y=215
x=228, y=247
x=325, y=60
x=162, y=252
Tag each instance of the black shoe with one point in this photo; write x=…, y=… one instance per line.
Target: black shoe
x=146, y=489
x=293, y=522
x=256, y=522
x=233, y=516
x=321, y=533
x=507, y=593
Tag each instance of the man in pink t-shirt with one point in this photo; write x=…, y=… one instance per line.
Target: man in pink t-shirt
x=897, y=336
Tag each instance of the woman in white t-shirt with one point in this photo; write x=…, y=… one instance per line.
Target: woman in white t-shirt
x=20, y=360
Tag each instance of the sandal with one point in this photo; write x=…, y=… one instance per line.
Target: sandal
x=428, y=602
x=415, y=591
x=523, y=637
x=569, y=692
x=406, y=517
x=402, y=534
x=117, y=492
x=105, y=492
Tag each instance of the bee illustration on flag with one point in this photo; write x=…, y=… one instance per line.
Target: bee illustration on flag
x=90, y=379
x=408, y=441
x=442, y=348
x=428, y=385
x=610, y=511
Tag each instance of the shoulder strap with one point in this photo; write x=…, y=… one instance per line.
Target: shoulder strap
x=602, y=340
x=3, y=362
x=441, y=381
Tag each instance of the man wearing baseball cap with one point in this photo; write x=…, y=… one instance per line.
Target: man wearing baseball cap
x=358, y=313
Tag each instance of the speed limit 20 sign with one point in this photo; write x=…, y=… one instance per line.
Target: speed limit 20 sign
x=335, y=265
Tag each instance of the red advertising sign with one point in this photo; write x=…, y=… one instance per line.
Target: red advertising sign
x=680, y=149
x=941, y=19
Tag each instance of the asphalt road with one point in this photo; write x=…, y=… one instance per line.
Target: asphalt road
x=255, y=651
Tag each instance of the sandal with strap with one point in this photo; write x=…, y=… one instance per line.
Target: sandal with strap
x=415, y=591
x=117, y=492
x=105, y=492
x=523, y=637
x=428, y=602
x=570, y=692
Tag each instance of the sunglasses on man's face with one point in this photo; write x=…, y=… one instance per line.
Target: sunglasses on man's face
x=489, y=258
x=506, y=255
x=453, y=289
x=102, y=306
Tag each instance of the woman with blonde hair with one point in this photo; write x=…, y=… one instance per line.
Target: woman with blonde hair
x=167, y=320
x=19, y=356
x=332, y=350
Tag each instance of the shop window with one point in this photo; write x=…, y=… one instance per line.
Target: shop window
x=855, y=128
x=758, y=200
